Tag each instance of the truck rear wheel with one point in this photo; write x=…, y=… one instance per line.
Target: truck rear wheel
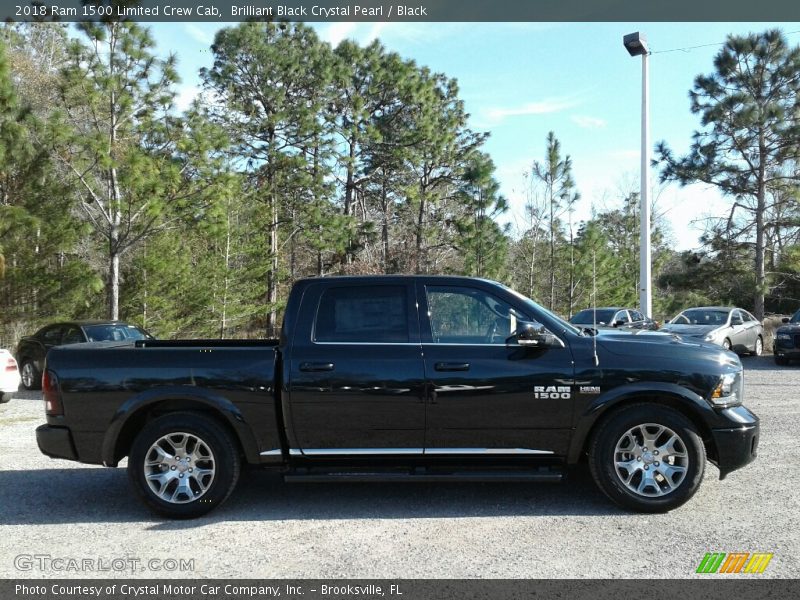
x=648, y=458
x=183, y=465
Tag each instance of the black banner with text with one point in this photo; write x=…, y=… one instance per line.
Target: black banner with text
x=412, y=10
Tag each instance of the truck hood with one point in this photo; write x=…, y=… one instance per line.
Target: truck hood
x=658, y=344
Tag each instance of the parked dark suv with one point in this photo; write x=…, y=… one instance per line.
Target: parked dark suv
x=32, y=350
x=787, y=340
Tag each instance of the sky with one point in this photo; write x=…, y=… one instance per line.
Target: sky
x=521, y=80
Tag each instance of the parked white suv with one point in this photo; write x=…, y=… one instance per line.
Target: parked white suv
x=9, y=375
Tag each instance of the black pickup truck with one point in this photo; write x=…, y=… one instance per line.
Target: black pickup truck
x=403, y=378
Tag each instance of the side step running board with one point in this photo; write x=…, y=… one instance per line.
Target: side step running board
x=538, y=475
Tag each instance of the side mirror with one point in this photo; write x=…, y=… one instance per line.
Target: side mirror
x=531, y=336
x=619, y=323
x=785, y=320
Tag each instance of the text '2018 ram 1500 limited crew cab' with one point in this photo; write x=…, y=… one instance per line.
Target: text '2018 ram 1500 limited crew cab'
x=403, y=378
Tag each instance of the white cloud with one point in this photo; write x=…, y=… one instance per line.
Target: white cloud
x=198, y=33
x=626, y=155
x=543, y=107
x=186, y=94
x=374, y=32
x=588, y=122
x=396, y=35
x=336, y=32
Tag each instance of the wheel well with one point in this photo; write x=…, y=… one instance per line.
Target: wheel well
x=144, y=415
x=674, y=403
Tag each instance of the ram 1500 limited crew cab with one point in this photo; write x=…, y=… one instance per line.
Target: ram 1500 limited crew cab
x=403, y=378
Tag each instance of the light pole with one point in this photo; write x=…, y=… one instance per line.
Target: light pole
x=636, y=45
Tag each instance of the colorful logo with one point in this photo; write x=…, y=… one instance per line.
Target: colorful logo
x=734, y=562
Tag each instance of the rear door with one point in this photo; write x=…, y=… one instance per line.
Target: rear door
x=489, y=396
x=739, y=333
x=751, y=327
x=638, y=320
x=48, y=338
x=355, y=371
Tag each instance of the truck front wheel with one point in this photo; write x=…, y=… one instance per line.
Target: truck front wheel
x=648, y=458
x=183, y=465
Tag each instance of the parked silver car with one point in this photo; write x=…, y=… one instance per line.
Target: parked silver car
x=732, y=328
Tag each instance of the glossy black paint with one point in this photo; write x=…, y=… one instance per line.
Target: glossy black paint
x=55, y=442
x=299, y=402
x=105, y=386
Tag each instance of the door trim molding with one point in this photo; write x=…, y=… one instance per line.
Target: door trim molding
x=412, y=451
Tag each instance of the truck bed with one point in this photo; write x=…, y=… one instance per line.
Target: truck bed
x=107, y=387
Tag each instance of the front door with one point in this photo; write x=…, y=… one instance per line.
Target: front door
x=489, y=395
x=356, y=378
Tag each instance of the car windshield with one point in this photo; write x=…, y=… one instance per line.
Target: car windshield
x=701, y=316
x=114, y=333
x=795, y=317
x=587, y=317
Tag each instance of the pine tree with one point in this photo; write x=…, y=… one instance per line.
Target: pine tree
x=136, y=167
x=555, y=174
x=481, y=241
x=749, y=143
x=272, y=81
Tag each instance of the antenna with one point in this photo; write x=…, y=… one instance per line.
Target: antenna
x=594, y=310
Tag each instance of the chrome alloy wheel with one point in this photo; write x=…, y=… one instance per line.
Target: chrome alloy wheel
x=179, y=467
x=651, y=460
x=28, y=375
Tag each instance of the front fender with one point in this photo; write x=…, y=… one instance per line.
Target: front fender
x=641, y=391
x=191, y=396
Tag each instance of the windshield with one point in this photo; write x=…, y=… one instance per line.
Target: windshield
x=114, y=333
x=701, y=316
x=542, y=310
x=587, y=317
x=795, y=317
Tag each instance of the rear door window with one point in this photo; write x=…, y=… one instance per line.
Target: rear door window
x=377, y=314
x=621, y=316
x=72, y=335
x=51, y=336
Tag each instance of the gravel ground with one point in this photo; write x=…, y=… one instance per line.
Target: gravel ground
x=269, y=529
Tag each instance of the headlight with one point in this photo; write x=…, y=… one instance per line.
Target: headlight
x=728, y=391
x=711, y=335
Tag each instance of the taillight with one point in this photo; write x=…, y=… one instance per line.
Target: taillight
x=11, y=365
x=52, y=394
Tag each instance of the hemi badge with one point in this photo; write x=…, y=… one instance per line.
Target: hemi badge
x=590, y=389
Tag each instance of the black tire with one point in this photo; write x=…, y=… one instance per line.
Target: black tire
x=602, y=457
x=758, y=348
x=781, y=360
x=34, y=378
x=726, y=344
x=224, y=453
x=5, y=397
